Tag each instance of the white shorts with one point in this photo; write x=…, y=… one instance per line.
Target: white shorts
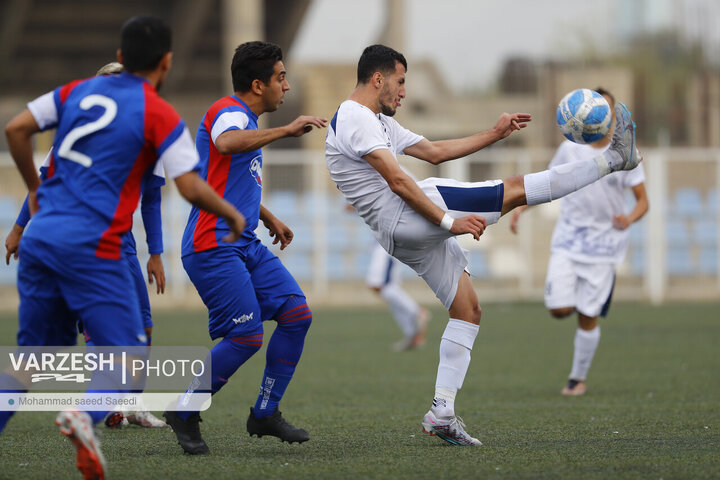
x=433, y=252
x=585, y=286
x=383, y=270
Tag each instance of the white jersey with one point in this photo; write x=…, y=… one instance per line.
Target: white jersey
x=354, y=132
x=584, y=230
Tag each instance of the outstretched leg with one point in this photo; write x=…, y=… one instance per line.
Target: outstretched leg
x=548, y=185
x=492, y=199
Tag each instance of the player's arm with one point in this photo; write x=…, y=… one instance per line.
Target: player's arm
x=441, y=151
x=238, y=141
x=278, y=230
x=12, y=242
x=621, y=222
x=196, y=191
x=180, y=162
x=19, y=132
x=405, y=187
x=152, y=220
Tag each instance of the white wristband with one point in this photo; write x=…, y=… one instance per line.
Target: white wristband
x=447, y=222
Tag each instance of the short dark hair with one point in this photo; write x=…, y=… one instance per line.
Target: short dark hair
x=144, y=42
x=604, y=92
x=253, y=61
x=378, y=58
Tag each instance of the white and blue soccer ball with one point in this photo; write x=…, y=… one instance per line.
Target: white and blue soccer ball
x=584, y=116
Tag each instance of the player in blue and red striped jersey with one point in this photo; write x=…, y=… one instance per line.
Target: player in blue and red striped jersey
x=150, y=208
x=243, y=283
x=111, y=130
x=152, y=221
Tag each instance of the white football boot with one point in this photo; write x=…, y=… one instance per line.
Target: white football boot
x=78, y=427
x=622, y=154
x=145, y=419
x=452, y=430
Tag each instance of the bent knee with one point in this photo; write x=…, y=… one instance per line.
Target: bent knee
x=468, y=311
x=297, y=318
x=474, y=314
x=513, y=193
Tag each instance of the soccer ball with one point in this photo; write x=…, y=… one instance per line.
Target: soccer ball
x=584, y=116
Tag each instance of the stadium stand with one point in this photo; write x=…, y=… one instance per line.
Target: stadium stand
x=687, y=203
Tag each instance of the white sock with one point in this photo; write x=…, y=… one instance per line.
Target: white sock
x=443, y=404
x=455, y=346
x=586, y=342
x=548, y=185
x=404, y=309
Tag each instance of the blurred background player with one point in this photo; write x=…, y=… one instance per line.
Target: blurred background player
x=243, y=284
x=417, y=222
x=589, y=241
x=111, y=131
x=383, y=277
x=152, y=221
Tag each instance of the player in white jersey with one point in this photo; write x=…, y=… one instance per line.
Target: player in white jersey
x=589, y=241
x=417, y=222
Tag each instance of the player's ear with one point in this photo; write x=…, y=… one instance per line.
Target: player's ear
x=257, y=87
x=166, y=61
x=377, y=79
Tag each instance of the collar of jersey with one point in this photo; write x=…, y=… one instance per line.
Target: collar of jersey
x=244, y=105
x=136, y=77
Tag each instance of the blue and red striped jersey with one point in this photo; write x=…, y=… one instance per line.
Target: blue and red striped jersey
x=237, y=177
x=111, y=130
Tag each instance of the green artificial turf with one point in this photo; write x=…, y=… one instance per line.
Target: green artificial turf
x=652, y=409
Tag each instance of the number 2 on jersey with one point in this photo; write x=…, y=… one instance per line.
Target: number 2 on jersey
x=77, y=133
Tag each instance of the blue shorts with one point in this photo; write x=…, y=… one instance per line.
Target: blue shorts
x=240, y=286
x=142, y=292
x=58, y=287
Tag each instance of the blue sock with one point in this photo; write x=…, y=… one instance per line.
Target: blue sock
x=227, y=356
x=9, y=384
x=283, y=354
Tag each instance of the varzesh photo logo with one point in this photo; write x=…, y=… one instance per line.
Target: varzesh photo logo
x=48, y=378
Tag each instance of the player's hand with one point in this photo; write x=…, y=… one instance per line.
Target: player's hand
x=304, y=124
x=280, y=232
x=12, y=243
x=508, y=123
x=472, y=224
x=237, y=226
x=621, y=222
x=156, y=269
